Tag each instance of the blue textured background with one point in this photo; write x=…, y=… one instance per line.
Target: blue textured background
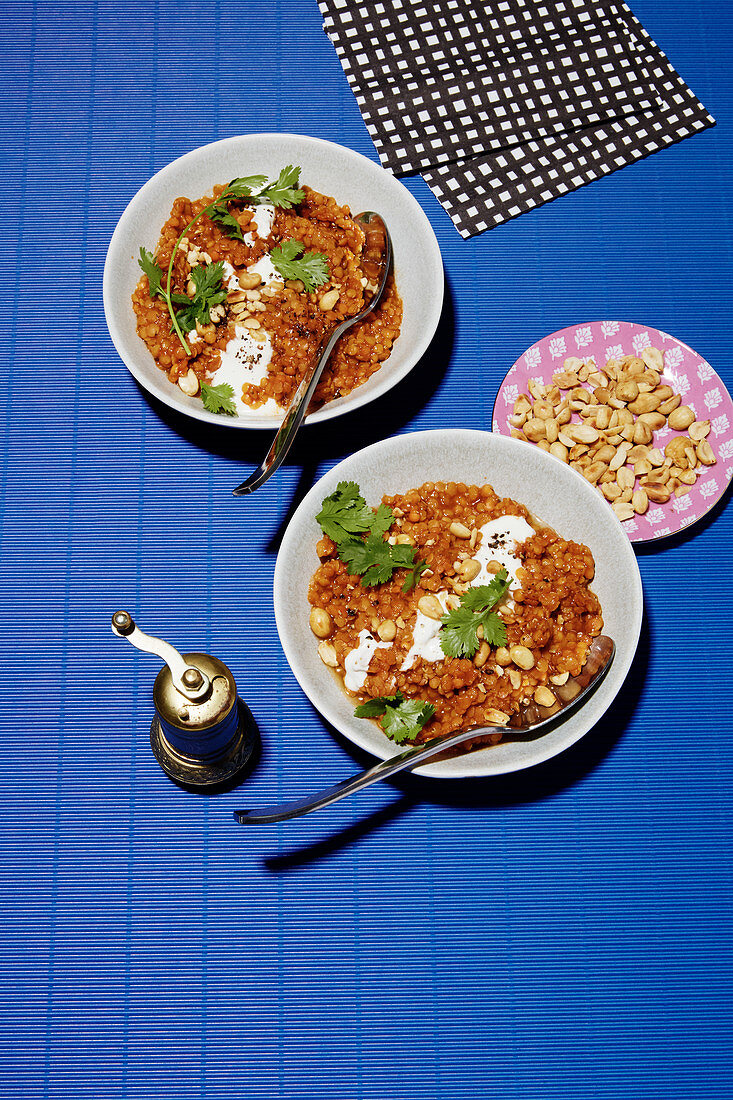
x=561, y=933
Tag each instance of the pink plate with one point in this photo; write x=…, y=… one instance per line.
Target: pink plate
x=684, y=370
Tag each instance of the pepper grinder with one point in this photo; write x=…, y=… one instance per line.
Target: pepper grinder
x=202, y=733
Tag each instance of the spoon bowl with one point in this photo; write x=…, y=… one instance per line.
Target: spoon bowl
x=376, y=263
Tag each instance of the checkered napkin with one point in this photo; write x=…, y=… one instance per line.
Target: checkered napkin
x=507, y=104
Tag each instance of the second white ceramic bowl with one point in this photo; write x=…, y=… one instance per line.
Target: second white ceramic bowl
x=553, y=492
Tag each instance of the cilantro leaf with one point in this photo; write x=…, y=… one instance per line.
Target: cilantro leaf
x=402, y=719
x=345, y=514
x=243, y=186
x=292, y=263
x=459, y=636
x=153, y=272
x=374, y=559
x=219, y=399
x=414, y=575
x=382, y=520
x=375, y=708
x=209, y=292
x=284, y=192
x=219, y=213
x=404, y=722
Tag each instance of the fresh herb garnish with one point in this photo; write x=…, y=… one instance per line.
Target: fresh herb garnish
x=219, y=399
x=459, y=636
x=284, y=192
x=375, y=560
x=209, y=293
x=293, y=263
x=345, y=517
x=402, y=719
x=414, y=575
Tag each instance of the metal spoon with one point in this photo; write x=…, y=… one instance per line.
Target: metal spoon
x=598, y=661
x=376, y=263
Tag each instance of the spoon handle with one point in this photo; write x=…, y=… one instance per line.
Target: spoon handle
x=383, y=770
x=377, y=262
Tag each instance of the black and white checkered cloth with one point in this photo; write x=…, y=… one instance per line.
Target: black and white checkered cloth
x=507, y=104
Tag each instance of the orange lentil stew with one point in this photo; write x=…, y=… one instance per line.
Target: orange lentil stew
x=286, y=315
x=546, y=625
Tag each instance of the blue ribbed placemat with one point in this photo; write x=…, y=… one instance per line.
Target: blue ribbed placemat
x=564, y=933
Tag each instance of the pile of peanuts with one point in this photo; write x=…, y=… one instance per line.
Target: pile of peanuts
x=613, y=443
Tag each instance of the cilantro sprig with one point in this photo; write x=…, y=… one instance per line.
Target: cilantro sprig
x=284, y=192
x=293, y=263
x=402, y=719
x=208, y=294
x=219, y=399
x=459, y=636
x=346, y=518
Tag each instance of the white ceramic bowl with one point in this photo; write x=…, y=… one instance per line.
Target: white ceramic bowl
x=331, y=169
x=554, y=493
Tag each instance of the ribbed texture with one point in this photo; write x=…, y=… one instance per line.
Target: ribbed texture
x=558, y=934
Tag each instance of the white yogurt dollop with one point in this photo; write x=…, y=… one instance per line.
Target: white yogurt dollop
x=358, y=660
x=261, y=223
x=267, y=271
x=244, y=360
x=426, y=638
x=499, y=540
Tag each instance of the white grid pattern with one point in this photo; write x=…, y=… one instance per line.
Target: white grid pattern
x=507, y=105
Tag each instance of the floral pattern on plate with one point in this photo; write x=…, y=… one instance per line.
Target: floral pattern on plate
x=684, y=370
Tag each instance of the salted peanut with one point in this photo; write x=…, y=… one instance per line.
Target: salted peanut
x=469, y=569
x=603, y=418
x=676, y=451
x=502, y=657
x=687, y=477
x=626, y=496
x=522, y=404
x=559, y=450
x=623, y=510
x=658, y=494
x=248, y=280
x=611, y=490
x=681, y=418
x=669, y=405
x=612, y=368
x=295, y=284
x=604, y=453
x=579, y=393
x=700, y=429
x=328, y=300
x=632, y=365
x=665, y=392
x=582, y=433
x=560, y=678
x=474, y=538
x=682, y=490
x=517, y=419
x=251, y=322
x=189, y=383
x=627, y=432
x=236, y=296
x=656, y=477
x=430, y=606
x=521, y=656
x=705, y=453
x=543, y=409
x=645, y=403
x=597, y=378
x=494, y=566
x=515, y=678
x=653, y=358
x=655, y=457
x=566, y=440
x=619, y=459
x=403, y=540
x=649, y=378
x=551, y=430
x=584, y=372
x=625, y=418
x=640, y=450
x=387, y=630
x=534, y=429
x=572, y=363
x=588, y=412
x=328, y=654
x=564, y=416
x=553, y=395
x=320, y=622
x=655, y=420
x=543, y=445
x=516, y=433
x=565, y=379
x=543, y=697
x=642, y=433
x=578, y=451
x=628, y=390
x=594, y=471
x=639, y=501
x=625, y=478
x=460, y=530
x=643, y=466
x=536, y=389
x=482, y=655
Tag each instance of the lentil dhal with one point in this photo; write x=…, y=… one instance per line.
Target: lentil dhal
x=550, y=613
x=277, y=313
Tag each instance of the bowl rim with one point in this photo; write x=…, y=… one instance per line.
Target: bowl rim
x=539, y=750
x=161, y=389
